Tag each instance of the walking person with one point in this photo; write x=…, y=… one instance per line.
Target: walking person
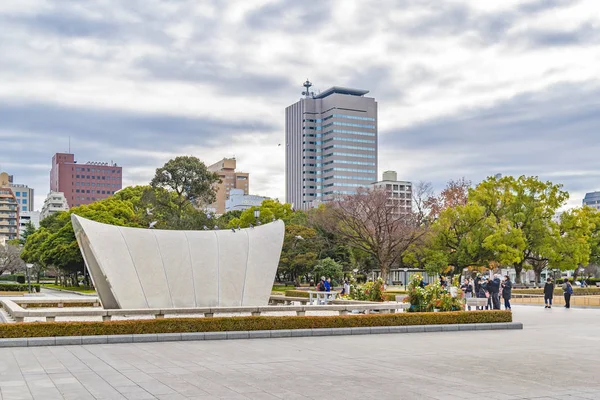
x=467, y=289
x=506, y=292
x=548, y=293
x=321, y=285
x=328, y=285
x=568, y=291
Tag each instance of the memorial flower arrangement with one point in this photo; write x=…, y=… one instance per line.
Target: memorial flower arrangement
x=370, y=291
x=431, y=297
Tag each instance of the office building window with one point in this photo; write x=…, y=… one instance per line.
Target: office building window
x=24, y=208
x=24, y=201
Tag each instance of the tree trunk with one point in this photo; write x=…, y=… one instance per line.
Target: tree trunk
x=538, y=277
x=518, y=270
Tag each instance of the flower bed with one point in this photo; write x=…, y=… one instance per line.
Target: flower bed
x=222, y=324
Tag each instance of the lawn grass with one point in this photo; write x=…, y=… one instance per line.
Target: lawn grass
x=80, y=289
x=282, y=289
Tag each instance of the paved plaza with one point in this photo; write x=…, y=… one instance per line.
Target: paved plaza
x=555, y=356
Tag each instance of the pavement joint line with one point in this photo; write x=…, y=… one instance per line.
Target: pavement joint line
x=249, y=335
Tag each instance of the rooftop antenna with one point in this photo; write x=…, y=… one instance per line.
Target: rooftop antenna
x=307, y=93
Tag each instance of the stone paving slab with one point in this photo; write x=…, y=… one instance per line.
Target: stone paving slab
x=554, y=357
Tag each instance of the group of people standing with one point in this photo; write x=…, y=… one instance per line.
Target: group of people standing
x=549, y=293
x=493, y=289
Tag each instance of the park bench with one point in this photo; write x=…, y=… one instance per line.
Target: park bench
x=477, y=302
x=318, y=297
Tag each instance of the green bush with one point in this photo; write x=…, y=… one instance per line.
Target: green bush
x=10, y=277
x=17, y=287
x=297, y=293
x=20, y=279
x=222, y=324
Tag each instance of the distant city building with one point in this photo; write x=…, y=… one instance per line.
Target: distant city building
x=84, y=183
x=592, y=199
x=230, y=179
x=330, y=145
x=238, y=200
x=27, y=217
x=24, y=195
x=55, y=202
x=9, y=210
x=399, y=192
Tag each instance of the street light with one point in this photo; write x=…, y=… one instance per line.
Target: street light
x=405, y=277
x=29, y=266
x=256, y=216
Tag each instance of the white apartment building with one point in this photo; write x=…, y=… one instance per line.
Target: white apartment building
x=55, y=202
x=400, y=192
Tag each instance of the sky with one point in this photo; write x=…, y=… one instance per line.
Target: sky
x=465, y=88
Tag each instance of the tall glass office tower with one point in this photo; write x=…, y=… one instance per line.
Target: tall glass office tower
x=331, y=145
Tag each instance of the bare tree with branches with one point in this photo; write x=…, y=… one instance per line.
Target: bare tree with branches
x=369, y=221
x=10, y=259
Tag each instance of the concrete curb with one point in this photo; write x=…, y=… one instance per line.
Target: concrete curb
x=235, y=335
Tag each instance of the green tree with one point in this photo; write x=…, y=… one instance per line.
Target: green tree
x=299, y=253
x=521, y=212
x=270, y=210
x=328, y=268
x=191, y=182
x=572, y=247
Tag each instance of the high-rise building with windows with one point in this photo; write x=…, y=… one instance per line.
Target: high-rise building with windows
x=230, y=179
x=331, y=145
x=9, y=210
x=24, y=196
x=84, y=183
x=592, y=199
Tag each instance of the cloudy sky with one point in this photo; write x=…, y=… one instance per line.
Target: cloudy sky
x=465, y=87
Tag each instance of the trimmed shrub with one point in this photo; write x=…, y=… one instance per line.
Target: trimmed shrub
x=11, y=277
x=297, y=293
x=222, y=324
x=17, y=287
x=20, y=279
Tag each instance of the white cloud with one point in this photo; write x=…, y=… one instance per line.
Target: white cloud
x=242, y=63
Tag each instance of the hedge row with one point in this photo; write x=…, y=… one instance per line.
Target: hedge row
x=17, y=287
x=11, y=277
x=297, y=293
x=591, y=291
x=222, y=324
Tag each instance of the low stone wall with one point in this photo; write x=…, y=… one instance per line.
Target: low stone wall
x=281, y=333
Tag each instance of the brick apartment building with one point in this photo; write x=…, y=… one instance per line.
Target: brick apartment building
x=84, y=183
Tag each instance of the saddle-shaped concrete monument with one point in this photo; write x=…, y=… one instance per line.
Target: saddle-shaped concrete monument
x=151, y=268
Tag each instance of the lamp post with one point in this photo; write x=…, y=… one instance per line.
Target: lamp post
x=256, y=214
x=581, y=271
x=29, y=266
x=405, y=277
